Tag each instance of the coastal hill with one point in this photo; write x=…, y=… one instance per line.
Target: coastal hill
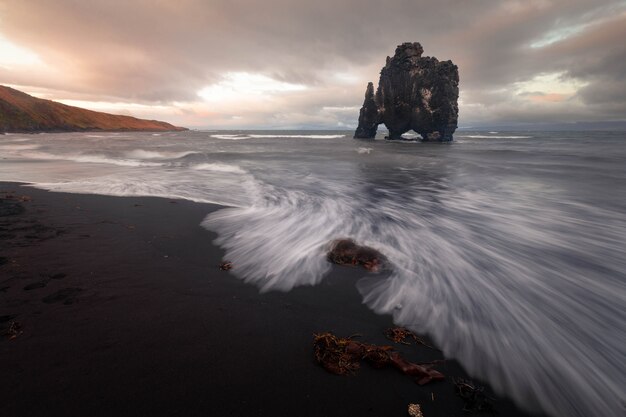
x=22, y=113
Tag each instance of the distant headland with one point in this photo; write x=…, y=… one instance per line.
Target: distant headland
x=22, y=113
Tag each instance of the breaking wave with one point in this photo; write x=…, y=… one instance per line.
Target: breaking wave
x=219, y=168
x=299, y=136
x=18, y=147
x=230, y=186
x=146, y=154
x=90, y=158
x=494, y=137
x=280, y=136
x=231, y=137
x=489, y=278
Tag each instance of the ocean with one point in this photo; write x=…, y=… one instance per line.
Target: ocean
x=507, y=248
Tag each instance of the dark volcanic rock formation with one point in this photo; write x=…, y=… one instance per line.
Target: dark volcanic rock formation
x=22, y=113
x=347, y=252
x=368, y=117
x=414, y=93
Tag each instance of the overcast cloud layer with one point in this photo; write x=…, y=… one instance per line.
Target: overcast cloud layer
x=284, y=63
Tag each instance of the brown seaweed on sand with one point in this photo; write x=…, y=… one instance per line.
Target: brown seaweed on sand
x=473, y=396
x=226, y=266
x=401, y=334
x=14, y=330
x=342, y=356
x=415, y=410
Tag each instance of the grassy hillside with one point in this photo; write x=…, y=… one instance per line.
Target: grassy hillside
x=20, y=112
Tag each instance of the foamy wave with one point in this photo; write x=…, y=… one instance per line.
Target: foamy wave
x=233, y=191
x=299, y=136
x=101, y=159
x=459, y=281
x=405, y=141
x=219, y=168
x=90, y=158
x=364, y=150
x=411, y=136
x=494, y=137
x=18, y=147
x=230, y=137
x=121, y=187
x=145, y=154
x=294, y=248
x=267, y=136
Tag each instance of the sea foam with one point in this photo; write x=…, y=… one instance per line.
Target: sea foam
x=494, y=137
x=219, y=168
x=154, y=154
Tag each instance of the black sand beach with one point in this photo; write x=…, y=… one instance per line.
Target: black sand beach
x=124, y=312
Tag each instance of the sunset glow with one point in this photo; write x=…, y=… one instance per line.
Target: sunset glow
x=238, y=86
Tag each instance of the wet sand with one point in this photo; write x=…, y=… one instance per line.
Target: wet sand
x=124, y=312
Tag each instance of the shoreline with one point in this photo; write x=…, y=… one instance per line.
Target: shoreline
x=124, y=311
x=37, y=132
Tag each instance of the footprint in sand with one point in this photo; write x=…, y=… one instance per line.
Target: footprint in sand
x=8, y=317
x=43, y=283
x=36, y=285
x=67, y=295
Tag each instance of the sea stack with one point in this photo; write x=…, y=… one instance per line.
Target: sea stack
x=414, y=93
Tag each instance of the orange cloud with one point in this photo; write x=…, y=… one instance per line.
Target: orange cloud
x=549, y=97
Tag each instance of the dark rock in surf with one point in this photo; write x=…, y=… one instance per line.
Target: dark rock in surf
x=347, y=252
x=368, y=116
x=414, y=93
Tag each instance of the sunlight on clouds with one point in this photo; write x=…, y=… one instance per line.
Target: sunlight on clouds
x=241, y=85
x=110, y=106
x=12, y=55
x=549, y=98
x=346, y=78
x=594, y=17
x=152, y=111
x=558, y=35
x=350, y=109
x=555, y=85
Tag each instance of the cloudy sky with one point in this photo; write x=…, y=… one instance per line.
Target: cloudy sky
x=294, y=64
